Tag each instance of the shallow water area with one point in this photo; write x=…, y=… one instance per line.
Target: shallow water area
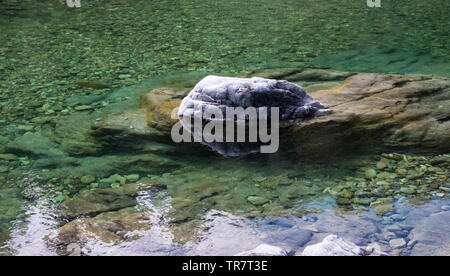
x=81, y=174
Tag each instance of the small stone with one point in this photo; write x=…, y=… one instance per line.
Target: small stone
x=87, y=179
x=383, y=208
x=256, y=200
x=8, y=156
x=401, y=171
x=73, y=249
x=115, y=185
x=397, y=217
x=397, y=243
x=25, y=127
x=435, y=186
x=60, y=198
x=94, y=185
x=374, y=249
x=406, y=190
x=114, y=179
x=411, y=244
x=346, y=194
x=370, y=173
x=83, y=107
x=394, y=228
x=414, y=176
x=124, y=76
x=445, y=189
x=264, y=250
x=382, y=183
x=132, y=177
x=381, y=165
x=3, y=169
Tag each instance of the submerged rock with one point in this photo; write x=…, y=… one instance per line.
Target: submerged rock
x=377, y=112
x=93, y=202
x=333, y=245
x=79, y=236
x=432, y=235
x=397, y=243
x=34, y=144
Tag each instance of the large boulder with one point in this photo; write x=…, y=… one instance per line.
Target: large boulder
x=221, y=95
x=222, y=92
x=379, y=112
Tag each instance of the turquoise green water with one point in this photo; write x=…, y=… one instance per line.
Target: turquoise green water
x=53, y=57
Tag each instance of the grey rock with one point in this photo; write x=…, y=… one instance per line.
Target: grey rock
x=397, y=243
x=374, y=249
x=393, y=228
x=74, y=249
x=411, y=244
x=214, y=94
x=224, y=92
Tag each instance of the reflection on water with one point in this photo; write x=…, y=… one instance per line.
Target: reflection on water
x=57, y=62
x=222, y=233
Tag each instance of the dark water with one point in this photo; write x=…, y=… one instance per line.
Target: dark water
x=47, y=49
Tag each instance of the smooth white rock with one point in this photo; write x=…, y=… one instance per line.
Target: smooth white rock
x=333, y=245
x=264, y=250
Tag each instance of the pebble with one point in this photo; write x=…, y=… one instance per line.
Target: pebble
x=3, y=169
x=25, y=127
x=256, y=200
x=397, y=217
x=114, y=179
x=8, y=156
x=411, y=243
x=132, y=177
x=73, y=249
x=370, y=173
x=83, y=107
x=383, y=208
x=87, y=179
x=407, y=190
x=381, y=165
x=394, y=228
x=397, y=243
x=124, y=76
x=445, y=189
x=115, y=185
